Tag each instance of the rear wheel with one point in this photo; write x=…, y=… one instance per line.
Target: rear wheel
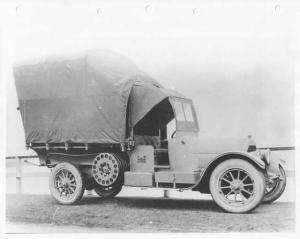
x=66, y=183
x=108, y=172
x=237, y=186
x=275, y=187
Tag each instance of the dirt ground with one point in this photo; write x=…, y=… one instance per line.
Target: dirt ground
x=29, y=213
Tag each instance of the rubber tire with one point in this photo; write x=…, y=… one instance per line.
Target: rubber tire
x=79, y=183
x=279, y=188
x=110, y=193
x=116, y=187
x=256, y=175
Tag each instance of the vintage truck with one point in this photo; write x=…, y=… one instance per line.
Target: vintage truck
x=100, y=123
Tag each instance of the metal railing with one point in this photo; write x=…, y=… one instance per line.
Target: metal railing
x=19, y=174
x=279, y=148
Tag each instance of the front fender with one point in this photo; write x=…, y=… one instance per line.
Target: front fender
x=203, y=183
x=273, y=166
x=248, y=156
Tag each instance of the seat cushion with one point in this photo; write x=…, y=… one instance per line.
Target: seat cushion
x=147, y=140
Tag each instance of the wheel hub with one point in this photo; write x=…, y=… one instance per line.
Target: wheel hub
x=236, y=186
x=105, y=169
x=65, y=183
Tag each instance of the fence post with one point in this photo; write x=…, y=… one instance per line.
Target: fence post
x=166, y=193
x=19, y=174
x=89, y=192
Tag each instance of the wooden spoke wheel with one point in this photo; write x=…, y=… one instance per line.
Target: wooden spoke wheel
x=237, y=186
x=66, y=184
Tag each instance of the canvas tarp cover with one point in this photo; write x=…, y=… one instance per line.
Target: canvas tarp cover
x=81, y=99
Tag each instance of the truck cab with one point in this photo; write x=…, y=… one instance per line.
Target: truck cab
x=160, y=157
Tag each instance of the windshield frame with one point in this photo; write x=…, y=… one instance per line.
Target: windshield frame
x=184, y=125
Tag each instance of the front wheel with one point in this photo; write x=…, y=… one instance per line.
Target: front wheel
x=66, y=183
x=237, y=186
x=275, y=187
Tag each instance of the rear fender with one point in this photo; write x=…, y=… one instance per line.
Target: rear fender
x=203, y=183
x=77, y=159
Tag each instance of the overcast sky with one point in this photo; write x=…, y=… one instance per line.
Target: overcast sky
x=235, y=60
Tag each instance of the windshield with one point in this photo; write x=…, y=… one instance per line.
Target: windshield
x=183, y=111
x=184, y=115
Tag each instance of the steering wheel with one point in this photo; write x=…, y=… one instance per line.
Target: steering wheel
x=173, y=134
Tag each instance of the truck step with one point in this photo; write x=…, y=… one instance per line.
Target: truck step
x=162, y=166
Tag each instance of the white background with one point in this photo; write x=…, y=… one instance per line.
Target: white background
x=236, y=60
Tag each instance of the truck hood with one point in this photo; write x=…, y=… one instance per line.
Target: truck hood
x=203, y=144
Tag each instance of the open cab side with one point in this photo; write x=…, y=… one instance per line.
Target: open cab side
x=158, y=158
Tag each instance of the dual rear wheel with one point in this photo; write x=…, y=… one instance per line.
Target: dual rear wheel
x=67, y=183
x=108, y=172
